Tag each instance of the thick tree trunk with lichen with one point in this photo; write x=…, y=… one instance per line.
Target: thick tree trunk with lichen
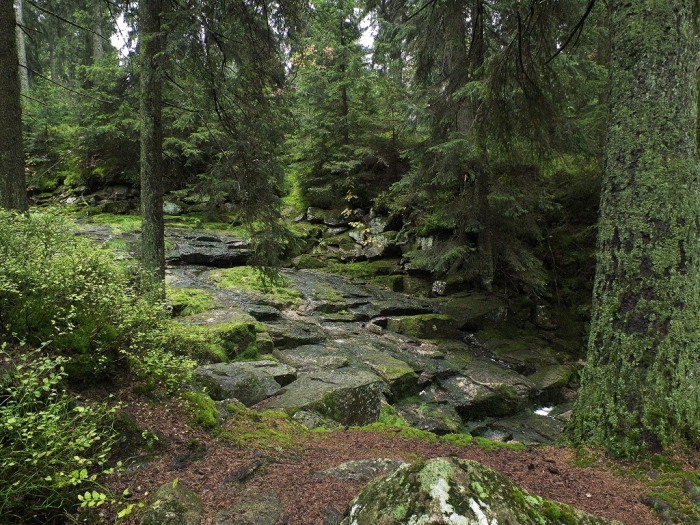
x=640, y=389
x=152, y=238
x=13, y=191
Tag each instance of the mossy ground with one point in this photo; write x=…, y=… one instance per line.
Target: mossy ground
x=188, y=301
x=118, y=223
x=261, y=430
x=246, y=279
x=203, y=409
x=673, y=486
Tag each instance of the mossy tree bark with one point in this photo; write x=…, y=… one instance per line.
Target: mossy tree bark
x=640, y=390
x=152, y=238
x=13, y=190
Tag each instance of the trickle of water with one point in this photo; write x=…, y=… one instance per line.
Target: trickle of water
x=544, y=411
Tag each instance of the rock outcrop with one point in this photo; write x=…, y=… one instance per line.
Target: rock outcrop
x=448, y=491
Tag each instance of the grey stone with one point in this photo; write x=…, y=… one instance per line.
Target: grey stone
x=349, y=396
x=206, y=248
x=249, y=382
x=173, y=504
x=313, y=420
x=449, y=491
x=363, y=470
x=485, y=389
x=254, y=508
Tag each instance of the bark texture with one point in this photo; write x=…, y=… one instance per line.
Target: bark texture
x=640, y=388
x=21, y=48
x=13, y=190
x=151, y=46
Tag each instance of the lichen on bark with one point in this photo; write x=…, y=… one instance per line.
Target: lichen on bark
x=13, y=191
x=640, y=389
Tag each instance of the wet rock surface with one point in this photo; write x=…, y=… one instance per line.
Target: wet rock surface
x=355, y=343
x=339, y=345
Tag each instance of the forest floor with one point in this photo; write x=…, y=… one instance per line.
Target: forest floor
x=595, y=484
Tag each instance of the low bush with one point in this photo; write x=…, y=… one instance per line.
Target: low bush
x=51, y=445
x=61, y=291
x=59, y=287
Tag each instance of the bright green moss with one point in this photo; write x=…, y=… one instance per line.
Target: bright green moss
x=246, y=279
x=461, y=440
x=203, y=409
x=262, y=430
x=188, y=301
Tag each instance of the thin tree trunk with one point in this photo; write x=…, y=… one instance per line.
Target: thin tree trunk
x=21, y=48
x=97, y=47
x=345, y=110
x=152, y=238
x=13, y=190
x=639, y=390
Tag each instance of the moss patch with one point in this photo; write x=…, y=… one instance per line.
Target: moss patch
x=262, y=430
x=426, y=326
x=188, y=301
x=246, y=279
x=203, y=409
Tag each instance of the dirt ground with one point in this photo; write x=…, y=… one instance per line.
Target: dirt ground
x=291, y=472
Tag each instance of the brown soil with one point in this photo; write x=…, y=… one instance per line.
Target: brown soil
x=546, y=471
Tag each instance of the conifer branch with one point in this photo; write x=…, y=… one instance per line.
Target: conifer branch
x=576, y=31
x=70, y=22
x=65, y=87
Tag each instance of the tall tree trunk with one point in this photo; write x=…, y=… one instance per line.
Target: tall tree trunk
x=151, y=42
x=97, y=47
x=21, y=48
x=640, y=390
x=345, y=110
x=13, y=190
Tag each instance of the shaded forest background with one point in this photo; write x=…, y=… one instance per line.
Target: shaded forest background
x=476, y=126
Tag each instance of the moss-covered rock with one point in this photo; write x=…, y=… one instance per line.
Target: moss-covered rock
x=173, y=504
x=254, y=507
x=289, y=333
x=264, y=343
x=473, y=312
x=363, y=470
x=234, y=329
x=249, y=382
x=439, y=418
x=247, y=280
x=349, y=396
x=426, y=326
x=485, y=389
x=312, y=357
x=203, y=408
x=550, y=378
x=401, y=378
x=308, y=262
x=188, y=301
x=448, y=491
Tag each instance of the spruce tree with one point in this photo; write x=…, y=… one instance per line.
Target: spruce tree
x=639, y=390
x=152, y=237
x=13, y=192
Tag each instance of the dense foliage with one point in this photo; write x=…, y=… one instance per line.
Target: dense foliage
x=476, y=129
x=51, y=445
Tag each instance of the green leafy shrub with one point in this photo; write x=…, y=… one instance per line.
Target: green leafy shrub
x=59, y=287
x=49, y=442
